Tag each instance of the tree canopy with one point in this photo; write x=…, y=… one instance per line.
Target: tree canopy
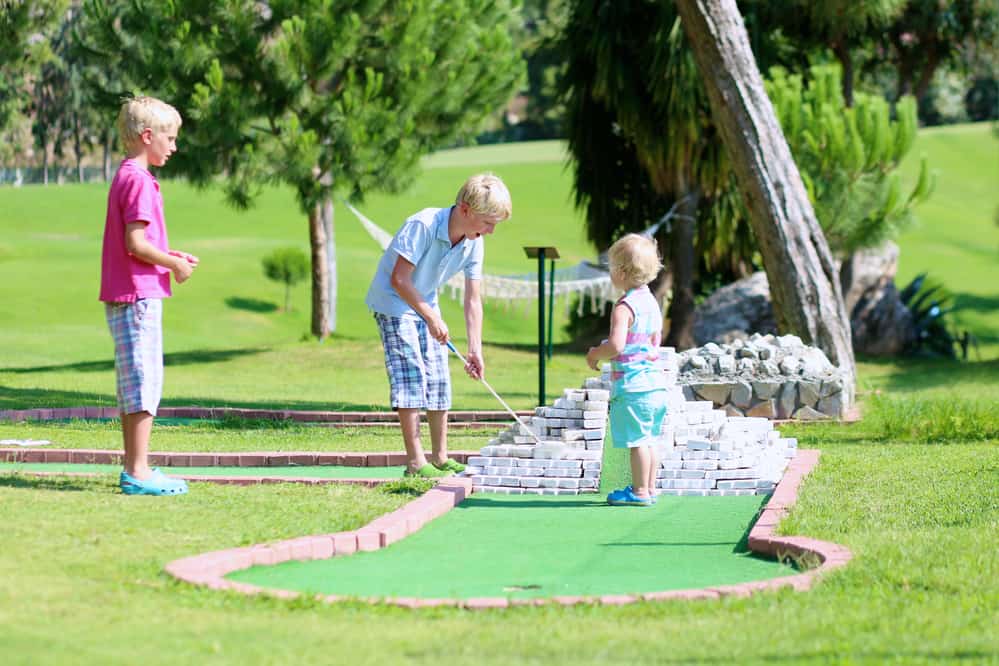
x=323, y=95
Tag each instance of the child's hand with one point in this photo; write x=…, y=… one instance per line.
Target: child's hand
x=189, y=258
x=475, y=367
x=592, y=360
x=438, y=330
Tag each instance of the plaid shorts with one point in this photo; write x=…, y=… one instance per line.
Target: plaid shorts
x=137, y=329
x=416, y=364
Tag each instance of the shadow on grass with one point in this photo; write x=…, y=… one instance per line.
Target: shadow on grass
x=669, y=543
x=250, y=304
x=976, y=302
x=912, y=375
x=32, y=398
x=176, y=358
x=497, y=501
x=62, y=484
x=845, y=655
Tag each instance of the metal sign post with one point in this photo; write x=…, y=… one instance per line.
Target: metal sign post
x=542, y=253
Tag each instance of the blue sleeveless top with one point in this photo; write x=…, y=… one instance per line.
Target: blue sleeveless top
x=637, y=367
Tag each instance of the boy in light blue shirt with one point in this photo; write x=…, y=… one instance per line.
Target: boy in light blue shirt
x=430, y=248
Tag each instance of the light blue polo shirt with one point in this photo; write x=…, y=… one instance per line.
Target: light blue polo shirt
x=423, y=241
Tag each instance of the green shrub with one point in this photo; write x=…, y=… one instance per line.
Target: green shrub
x=288, y=265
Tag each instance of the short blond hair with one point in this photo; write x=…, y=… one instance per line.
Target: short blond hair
x=486, y=194
x=635, y=259
x=140, y=113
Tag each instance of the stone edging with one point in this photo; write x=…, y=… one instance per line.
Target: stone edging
x=251, y=459
x=210, y=569
x=458, y=419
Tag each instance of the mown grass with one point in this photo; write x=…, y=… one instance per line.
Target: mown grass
x=923, y=587
x=259, y=436
x=911, y=490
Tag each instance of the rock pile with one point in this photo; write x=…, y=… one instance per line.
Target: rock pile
x=764, y=376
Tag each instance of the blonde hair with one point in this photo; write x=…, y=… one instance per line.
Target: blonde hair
x=486, y=195
x=140, y=113
x=635, y=259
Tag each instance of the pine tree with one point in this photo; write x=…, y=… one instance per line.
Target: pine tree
x=25, y=31
x=323, y=95
x=848, y=156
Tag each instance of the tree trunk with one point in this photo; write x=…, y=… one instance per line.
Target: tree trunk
x=77, y=149
x=320, y=273
x=684, y=266
x=842, y=53
x=804, y=282
x=926, y=75
x=108, y=139
x=327, y=216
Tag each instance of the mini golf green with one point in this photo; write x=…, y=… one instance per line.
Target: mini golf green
x=317, y=471
x=522, y=546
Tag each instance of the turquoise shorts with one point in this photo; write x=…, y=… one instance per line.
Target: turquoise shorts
x=636, y=419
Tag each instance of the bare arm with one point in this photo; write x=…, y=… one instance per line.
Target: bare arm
x=476, y=366
x=621, y=319
x=402, y=281
x=180, y=264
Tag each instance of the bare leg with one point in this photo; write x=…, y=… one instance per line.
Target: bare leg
x=136, y=430
x=653, y=471
x=438, y=435
x=409, y=420
x=640, y=463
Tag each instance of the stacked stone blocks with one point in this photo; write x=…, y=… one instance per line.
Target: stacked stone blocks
x=703, y=451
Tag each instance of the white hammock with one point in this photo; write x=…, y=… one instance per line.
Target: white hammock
x=586, y=279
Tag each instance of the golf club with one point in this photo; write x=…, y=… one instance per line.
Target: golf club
x=495, y=394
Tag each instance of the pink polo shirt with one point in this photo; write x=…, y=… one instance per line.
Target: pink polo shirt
x=134, y=197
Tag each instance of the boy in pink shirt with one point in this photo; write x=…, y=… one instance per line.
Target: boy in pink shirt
x=136, y=263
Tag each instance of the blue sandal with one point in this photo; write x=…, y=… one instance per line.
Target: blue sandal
x=651, y=496
x=627, y=497
x=158, y=483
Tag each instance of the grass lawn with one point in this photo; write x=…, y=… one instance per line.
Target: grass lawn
x=921, y=520
x=913, y=490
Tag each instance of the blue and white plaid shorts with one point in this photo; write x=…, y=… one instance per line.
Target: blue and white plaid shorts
x=137, y=329
x=416, y=364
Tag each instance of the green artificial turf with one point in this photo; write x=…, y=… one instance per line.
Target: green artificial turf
x=524, y=546
x=316, y=471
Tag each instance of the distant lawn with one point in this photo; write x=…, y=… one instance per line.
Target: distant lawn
x=227, y=343
x=956, y=238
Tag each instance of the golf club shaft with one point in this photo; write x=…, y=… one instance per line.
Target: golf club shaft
x=495, y=394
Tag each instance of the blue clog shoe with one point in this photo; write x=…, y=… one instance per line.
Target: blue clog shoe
x=158, y=483
x=627, y=497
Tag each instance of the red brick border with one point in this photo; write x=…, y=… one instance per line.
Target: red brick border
x=235, y=459
x=210, y=569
